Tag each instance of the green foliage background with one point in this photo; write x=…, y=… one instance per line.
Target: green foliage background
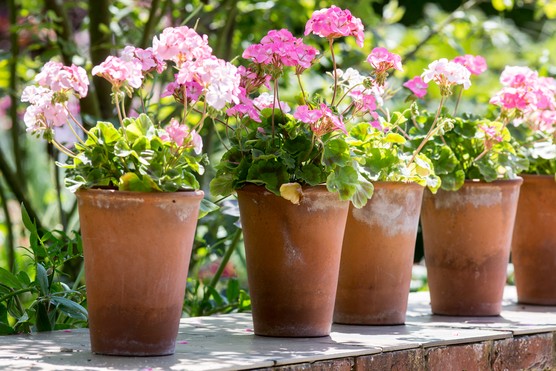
x=86, y=31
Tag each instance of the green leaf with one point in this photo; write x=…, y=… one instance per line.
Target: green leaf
x=336, y=153
x=70, y=308
x=395, y=138
x=452, y=181
x=222, y=185
x=232, y=290
x=311, y=174
x=132, y=182
x=108, y=134
x=343, y=180
x=207, y=207
x=363, y=192
x=44, y=318
x=270, y=173
x=30, y=225
x=8, y=279
x=42, y=279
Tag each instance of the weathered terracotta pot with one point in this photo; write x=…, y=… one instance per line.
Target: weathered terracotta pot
x=534, y=241
x=377, y=256
x=137, y=248
x=467, y=237
x=293, y=258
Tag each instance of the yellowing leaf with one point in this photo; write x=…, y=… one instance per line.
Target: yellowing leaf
x=291, y=192
x=395, y=138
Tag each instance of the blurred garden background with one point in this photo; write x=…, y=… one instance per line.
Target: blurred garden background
x=38, y=216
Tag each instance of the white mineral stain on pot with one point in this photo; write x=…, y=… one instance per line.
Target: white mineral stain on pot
x=478, y=197
x=390, y=212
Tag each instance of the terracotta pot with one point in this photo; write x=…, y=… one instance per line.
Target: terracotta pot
x=137, y=248
x=467, y=236
x=293, y=258
x=377, y=256
x=534, y=241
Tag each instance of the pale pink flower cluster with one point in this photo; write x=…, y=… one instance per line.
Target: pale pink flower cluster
x=199, y=73
x=322, y=120
x=417, y=86
x=45, y=112
x=219, y=80
x=181, y=44
x=149, y=60
x=118, y=72
x=48, y=101
x=491, y=133
x=280, y=48
x=447, y=74
x=382, y=60
x=180, y=134
x=266, y=100
x=244, y=107
x=365, y=93
x=531, y=95
x=333, y=23
x=60, y=78
x=475, y=64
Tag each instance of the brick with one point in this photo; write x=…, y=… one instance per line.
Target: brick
x=533, y=352
x=467, y=357
x=403, y=360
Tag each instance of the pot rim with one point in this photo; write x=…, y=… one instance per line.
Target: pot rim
x=92, y=192
x=540, y=177
x=517, y=179
x=254, y=188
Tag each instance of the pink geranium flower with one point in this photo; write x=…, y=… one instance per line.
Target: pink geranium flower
x=244, y=107
x=447, y=74
x=322, y=120
x=280, y=48
x=181, y=44
x=333, y=23
x=514, y=98
x=382, y=60
x=118, y=71
x=417, y=86
x=266, y=100
x=518, y=76
x=475, y=64
x=60, y=78
x=180, y=134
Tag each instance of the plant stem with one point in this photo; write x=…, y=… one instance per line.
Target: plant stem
x=330, y=42
x=11, y=237
x=430, y=132
x=301, y=87
x=226, y=258
x=15, y=293
x=458, y=100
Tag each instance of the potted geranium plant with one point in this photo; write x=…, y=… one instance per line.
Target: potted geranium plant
x=292, y=168
x=533, y=130
x=138, y=196
x=380, y=236
x=468, y=223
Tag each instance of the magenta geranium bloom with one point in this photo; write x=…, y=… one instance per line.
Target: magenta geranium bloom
x=333, y=23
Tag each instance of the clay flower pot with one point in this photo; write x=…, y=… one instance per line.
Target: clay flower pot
x=137, y=248
x=293, y=258
x=467, y=236
x=534, y=241
x=377, y=256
